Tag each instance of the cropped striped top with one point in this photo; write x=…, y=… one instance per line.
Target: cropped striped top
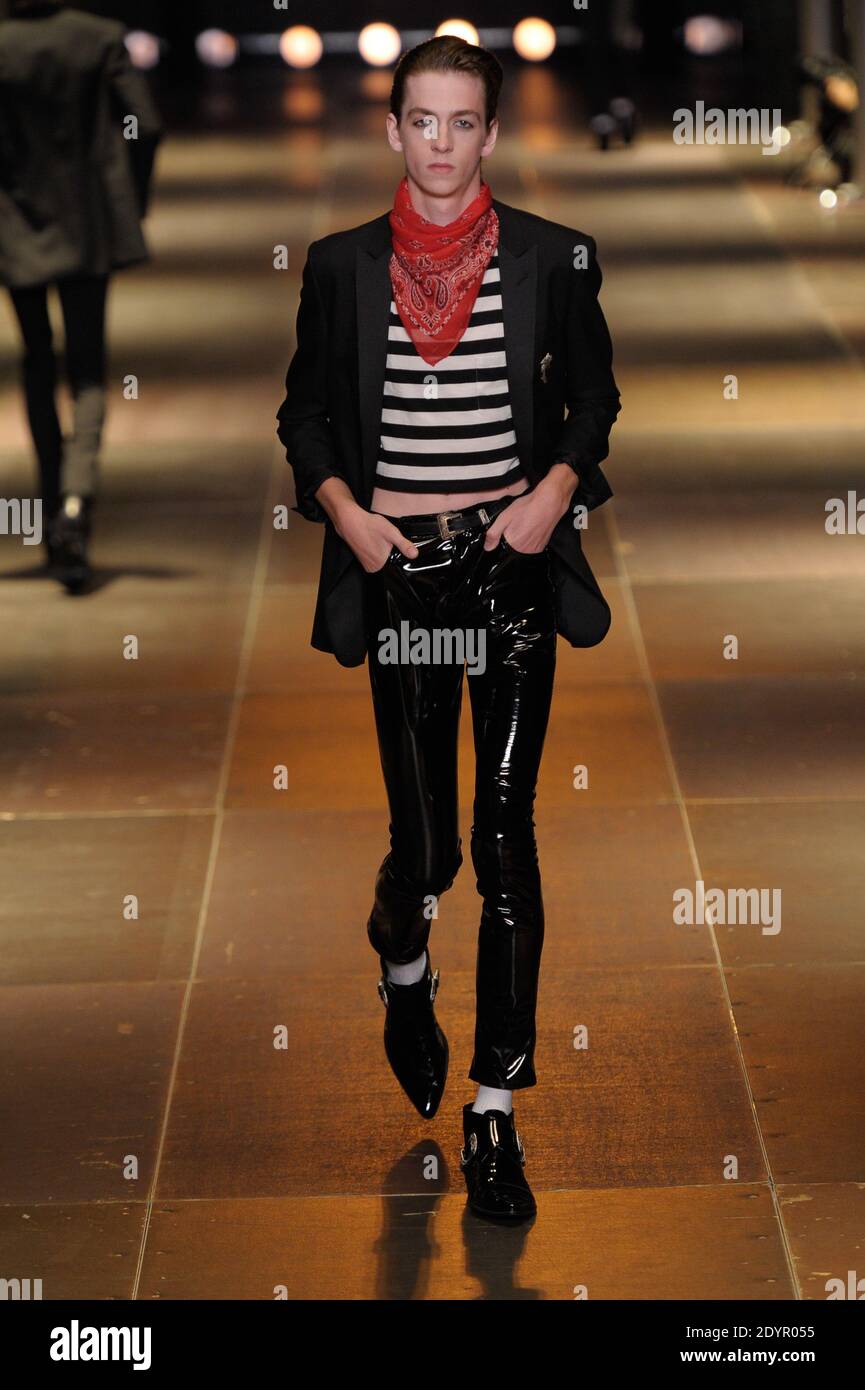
x=449, y=428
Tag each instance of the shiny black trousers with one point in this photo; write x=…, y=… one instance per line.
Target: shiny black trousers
x=503, y=602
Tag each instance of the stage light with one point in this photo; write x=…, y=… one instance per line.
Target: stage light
x=534, y=39
x=215, y=48
x=460, y=29
x=301, y=46
x=379, y=44
x=706, y=34
x=143, y=48
x=781, y=136
x=828, y=198
x=842, y=91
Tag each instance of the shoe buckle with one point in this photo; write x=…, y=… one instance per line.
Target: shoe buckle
x=520, y=1148
x=465, y=1158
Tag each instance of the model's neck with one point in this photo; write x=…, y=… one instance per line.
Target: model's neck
x=442, y=210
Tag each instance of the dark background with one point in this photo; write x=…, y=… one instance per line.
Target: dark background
x=661, y=75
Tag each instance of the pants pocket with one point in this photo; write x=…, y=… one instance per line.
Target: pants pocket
x=523, y=554
x=394, y=550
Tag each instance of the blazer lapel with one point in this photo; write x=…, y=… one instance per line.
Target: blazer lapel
x=373, y=291
x=519, y=281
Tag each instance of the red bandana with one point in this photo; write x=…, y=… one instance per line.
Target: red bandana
x=436, y=271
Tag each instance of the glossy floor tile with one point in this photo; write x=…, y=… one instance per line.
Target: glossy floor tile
x=826, y=1226
x=654, y=1092
x=77, y=1250
x=277, y=908
x=146, y=751
x=733, y=536
x=606, y=738
x=801, y=1033
x=119, y=897
x=771, y=621
x=809, y=854
x=82, y=649
x=85, y=1074
x=786, y=735
x=296, y=753
x=685, y=1243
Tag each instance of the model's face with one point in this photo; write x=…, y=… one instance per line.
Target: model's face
x=442, y=133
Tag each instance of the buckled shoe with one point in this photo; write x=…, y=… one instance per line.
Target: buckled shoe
x=416, y=1047
x=493, y=1162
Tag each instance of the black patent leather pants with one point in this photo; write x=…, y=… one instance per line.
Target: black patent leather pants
x=455, y=585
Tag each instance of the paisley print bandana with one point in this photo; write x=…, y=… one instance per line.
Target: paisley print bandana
x=436, y=271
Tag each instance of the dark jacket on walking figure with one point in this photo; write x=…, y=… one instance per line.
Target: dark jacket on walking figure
x=73, y=188
x=559, y=359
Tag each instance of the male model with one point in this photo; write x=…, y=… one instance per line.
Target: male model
x=438, y=350
x=78, y=133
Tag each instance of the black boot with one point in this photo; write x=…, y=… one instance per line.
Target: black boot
x=49, y=514
x=492, y=1162
x=69, y=533
x=416, y=1047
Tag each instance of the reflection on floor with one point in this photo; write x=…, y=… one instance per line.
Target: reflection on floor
x=708, y=1141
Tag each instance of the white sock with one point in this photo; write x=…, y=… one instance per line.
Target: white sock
x=73, y=505
x=488, y=1098
x=407, y=974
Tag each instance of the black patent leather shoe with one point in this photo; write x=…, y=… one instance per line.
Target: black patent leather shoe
x=416, y=1047
x=493, y=1163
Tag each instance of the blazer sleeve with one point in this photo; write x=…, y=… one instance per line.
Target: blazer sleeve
x=7, y=152
x=304, y=428
x=591, y=395
x=130, y=96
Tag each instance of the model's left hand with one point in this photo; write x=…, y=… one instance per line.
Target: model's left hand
x=529, y=521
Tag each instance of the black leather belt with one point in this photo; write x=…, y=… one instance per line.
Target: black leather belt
x=446, y=524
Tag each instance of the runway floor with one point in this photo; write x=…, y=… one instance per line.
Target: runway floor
x=708, y=1143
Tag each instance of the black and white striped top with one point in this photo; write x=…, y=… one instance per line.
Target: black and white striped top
x=448, y=427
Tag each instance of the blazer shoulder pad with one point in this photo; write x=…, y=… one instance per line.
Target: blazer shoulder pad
x=338, y=248
x=94, y=26
x=542, y=228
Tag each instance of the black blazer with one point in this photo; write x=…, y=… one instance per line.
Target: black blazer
x=72, y=188
x=330, y=420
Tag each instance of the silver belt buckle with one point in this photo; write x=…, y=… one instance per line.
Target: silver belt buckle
x=444, y=529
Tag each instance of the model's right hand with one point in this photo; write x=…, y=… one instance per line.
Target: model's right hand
x=372, y=537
